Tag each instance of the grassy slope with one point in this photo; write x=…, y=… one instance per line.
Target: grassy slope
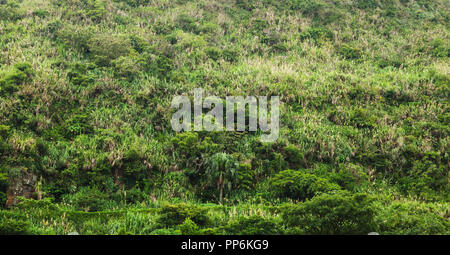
x=364, y=87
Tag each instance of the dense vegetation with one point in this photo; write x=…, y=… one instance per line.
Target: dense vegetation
x=85, y=135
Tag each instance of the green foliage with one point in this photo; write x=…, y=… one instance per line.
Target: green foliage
x=4, y=131
x=349, y=176
x=78, y=74
x=189, y=145
x=214, y=53
x=245, y=176
x=188, y=227
x=300, y=185
x=221, y=172
x=412, y=218
x=127, y=67
x=253, y=225
x=307, y=7
x=134, y=3
x=362, y=118
x=295, y=157
x=364, y=87
x=14, y=227
x=176, y=214
x=10, y=10
x=349, y=52
x=105, y=48
x=97, y=9
x=317, y=34
x=78, y=124
x=339, y=213
x=10, y=82
x=426, y=179
x=187, y=23
x=87, y=199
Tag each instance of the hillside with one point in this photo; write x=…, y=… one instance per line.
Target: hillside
x=86, y=143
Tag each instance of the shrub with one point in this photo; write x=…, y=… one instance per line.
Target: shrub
x=295, y=157
x=307, y=7
x=187, y=23
x=412, y=218
x=349, y=176
x=394, y=60
x=188, y=227
x=439, y=48
x=253, y=225
x=75, y=36
x=96, y=9
x=134, y=3
x=363, y=118
x=78, y=124
x=213, y=53
x=4, y=131
x=367, y=4
x=246, y=176
x=426, y=179
x=41, y=13
x=78, y=74
x=9, y=10
x=105, y=48
x=21, y=73
x=87, y=199
x=339, y=213
x=349, y=52
x=126, y=67
x=186, y=143
x=176, y=214
x=248, y=5
x=317, y=34
x=300, y=185
x=230, y=55
x=14, y=227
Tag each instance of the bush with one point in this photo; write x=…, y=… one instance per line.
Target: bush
x=300, y=185
x=105, y=48
x=363, y=118
x=246, y=176
x=230, y=55
x=349, y=52
x=134, y=3
x=317, y=34
x=78, y=124
x=253, y=225
x=21, y=73
x=96, y=9
x=87, y=199
x=412, y=218
x=176, y=214
x=307, y=7
x=74, y=36
x=426, y=179
x=14, y=227
x=187, y=23
x=9, y=10
x=213, y=53
x=126, y=67
x=3, y=199
x=295, y=157
x=339, y=213
x=78, y=74
x=188, y=227
x=4, y=131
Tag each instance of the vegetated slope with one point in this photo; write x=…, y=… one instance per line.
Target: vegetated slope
x=85, y=135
